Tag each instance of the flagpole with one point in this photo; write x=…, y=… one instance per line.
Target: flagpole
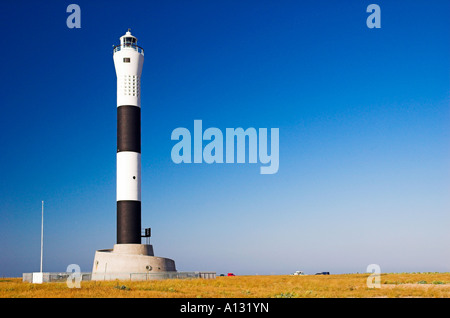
x=42, y=233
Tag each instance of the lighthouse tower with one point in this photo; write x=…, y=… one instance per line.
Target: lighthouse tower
x=129, y=257
x=128, y=61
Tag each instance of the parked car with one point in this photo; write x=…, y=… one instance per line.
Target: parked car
x=323, y=273
x=231, y=274
x=299, y=273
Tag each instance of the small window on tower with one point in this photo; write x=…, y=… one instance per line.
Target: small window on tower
x=126, y=60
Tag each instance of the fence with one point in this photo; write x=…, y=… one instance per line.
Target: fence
x=54, y=277
x=172, y=275
x=62, y=277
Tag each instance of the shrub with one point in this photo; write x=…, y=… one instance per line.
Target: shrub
x=286, y=295
x=436, y=282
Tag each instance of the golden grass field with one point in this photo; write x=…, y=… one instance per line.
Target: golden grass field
x=424, y=285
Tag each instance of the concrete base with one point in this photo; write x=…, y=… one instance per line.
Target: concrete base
x=126, y=260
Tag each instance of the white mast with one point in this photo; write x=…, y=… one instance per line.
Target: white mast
x=42, y=233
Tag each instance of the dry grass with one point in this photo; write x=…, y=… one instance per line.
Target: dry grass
x=435, y=285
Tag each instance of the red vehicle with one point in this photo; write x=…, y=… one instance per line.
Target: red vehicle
x=231, y=274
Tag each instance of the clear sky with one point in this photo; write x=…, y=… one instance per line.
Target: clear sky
x=364, y=133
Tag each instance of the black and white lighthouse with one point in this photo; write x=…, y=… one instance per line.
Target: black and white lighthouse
x=129, y=259
x=128, y=61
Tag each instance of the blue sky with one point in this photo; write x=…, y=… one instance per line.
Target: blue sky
x=363, y=116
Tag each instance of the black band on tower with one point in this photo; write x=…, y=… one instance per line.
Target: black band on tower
x=128, y=222
x=129, y=128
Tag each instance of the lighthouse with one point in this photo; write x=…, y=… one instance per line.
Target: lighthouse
x=129, y=258
x=128, y=62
